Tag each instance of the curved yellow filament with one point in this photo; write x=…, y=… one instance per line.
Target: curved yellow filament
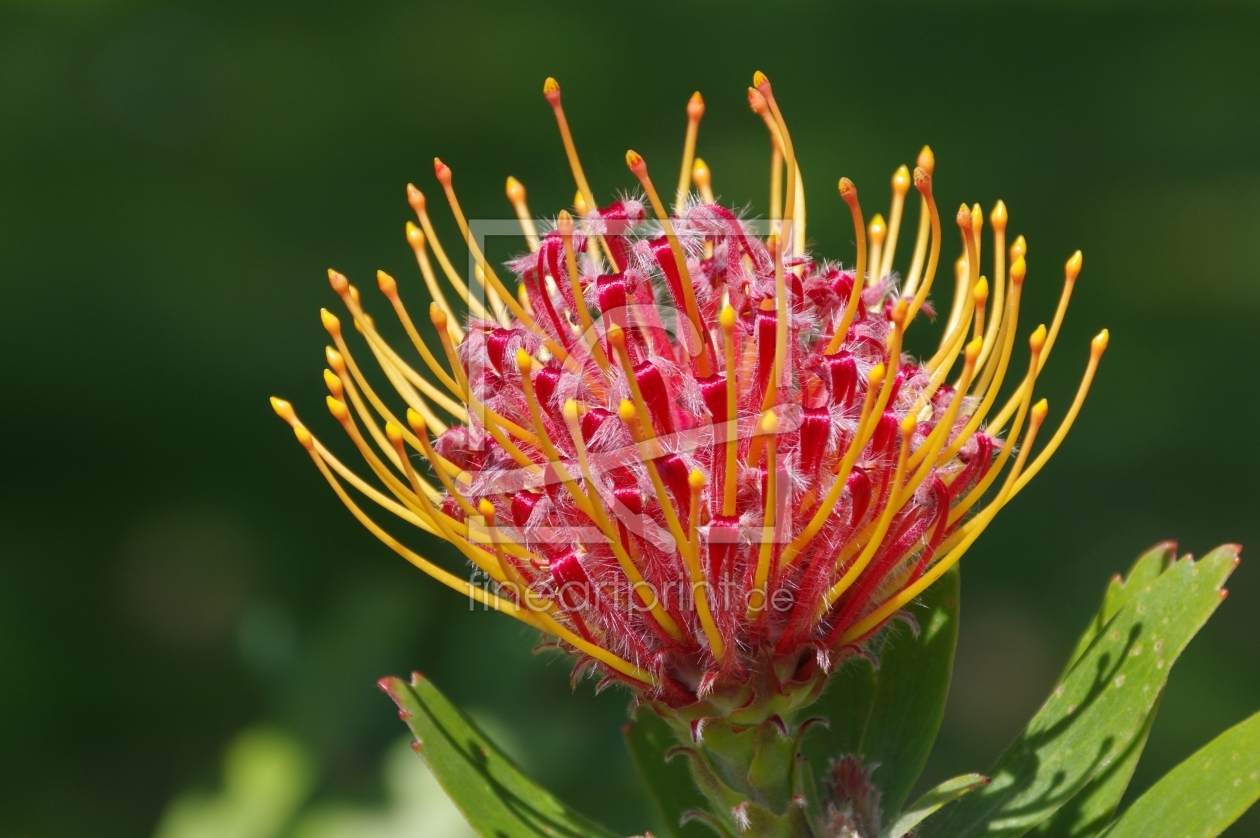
x=420, y=205
x=416, y=238
x=885, y=520
x=695, y=570
x=900, y=186
x=849, y=193
x=768, y=427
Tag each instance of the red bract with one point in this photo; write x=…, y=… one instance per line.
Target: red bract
x=688, y=450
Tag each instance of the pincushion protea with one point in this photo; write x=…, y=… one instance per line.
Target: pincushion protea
x=693, y=455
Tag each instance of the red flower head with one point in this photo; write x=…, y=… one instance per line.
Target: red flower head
x=686, y=449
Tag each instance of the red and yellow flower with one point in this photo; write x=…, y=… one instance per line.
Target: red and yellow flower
x=686, y=448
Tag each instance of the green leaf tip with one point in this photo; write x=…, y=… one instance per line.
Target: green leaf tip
x=1101, y=705
x=496, y=798
x=1087, y=814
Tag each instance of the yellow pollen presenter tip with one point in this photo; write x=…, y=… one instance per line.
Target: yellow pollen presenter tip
x=331, y=324
x=981, y=292
x=1037, y=340
x=1019, y=248
x=416, y=198
x=1073, y=268
x=900, y=311
x=524, y=361
x=415, y=236
x=1039, y=411
x=700, y=174
x=338, y=282
x=927, y=160
x=437, y=316
x=564, y=223
x=515, y=190
x=387, y=284
x=1018, y=269
x=878, y=229
x=338, y=409
x=333, y=383
x=416, y=420
x=284, y=410
x=972, y=352
x=997, y=218
x=901, y=180
x=335, y=360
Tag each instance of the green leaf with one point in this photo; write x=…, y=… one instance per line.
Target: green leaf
x=911, y=686
x=946, y=792
x=1089, y=811
x=890, y=716
x=669, y=784
x=1203, y=795
x=1120, y=590
x=846, y=705
x=1100, y=707
x=496, y=798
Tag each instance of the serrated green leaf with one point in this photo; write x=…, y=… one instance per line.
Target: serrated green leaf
x=911, y=687
x=1203, y=795
x=1100, y=707
x=1120, y=591
x=946, y=792
x=1089, y=811
x=495, y=797
x=669, y=784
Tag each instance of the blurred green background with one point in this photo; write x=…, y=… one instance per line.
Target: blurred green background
x=175, y=179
